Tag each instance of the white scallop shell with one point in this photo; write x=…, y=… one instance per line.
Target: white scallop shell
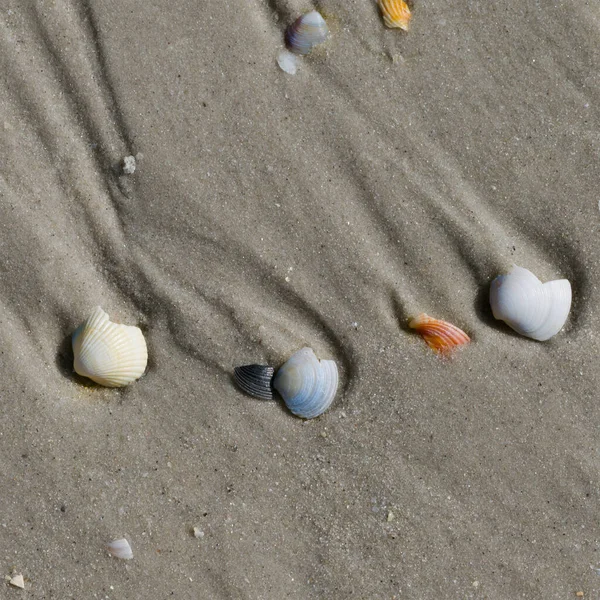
x=120, y=549
x=306, y=32
x=532, y=308
x=307, y=385
x=110, y=354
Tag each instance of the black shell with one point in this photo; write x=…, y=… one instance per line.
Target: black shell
x=255, y=380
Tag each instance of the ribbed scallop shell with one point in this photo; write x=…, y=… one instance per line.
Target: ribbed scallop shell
x=440, y=336
x=307, y=385
x=534, y=309
x=306, y=32
x=255, y=380
x=110, y=354
x=396, y=13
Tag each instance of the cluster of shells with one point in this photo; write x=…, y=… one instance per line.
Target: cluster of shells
x=116, y=355
x=310, y=30
x=308, y=386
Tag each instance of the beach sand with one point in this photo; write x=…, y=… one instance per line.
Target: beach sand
x=396, y=173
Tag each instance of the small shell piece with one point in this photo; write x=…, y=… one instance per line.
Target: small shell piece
x=440, y=336
x=396, y=13
x=288, y=62
x=17, y=581
x=255, y=380
x=120, y=549
x=534, y=309
x=128, y=165
x=307, y=385
x=110, y=354
x=306, y=32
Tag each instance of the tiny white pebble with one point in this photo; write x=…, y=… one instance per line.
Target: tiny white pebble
x=198, y=533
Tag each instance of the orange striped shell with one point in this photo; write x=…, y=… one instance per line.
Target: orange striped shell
x=440, y=336
x=396, y=13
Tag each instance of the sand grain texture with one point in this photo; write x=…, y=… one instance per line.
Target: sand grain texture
x=394, y=174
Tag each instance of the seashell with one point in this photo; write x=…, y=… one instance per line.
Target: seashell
x=288, y=62
x=396, y=13
x=17, y=581
x=110, y=354
x=306, y=32
x=120, y=549
x=306, y=384
x=255, y=380
x=440, y=336
x=532, y=308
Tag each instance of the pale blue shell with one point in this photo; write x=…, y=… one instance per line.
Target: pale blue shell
x=306, y=32
x=307, y=385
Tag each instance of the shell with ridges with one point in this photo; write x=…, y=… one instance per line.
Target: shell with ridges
x=440, y=336
x=306, y=32
x=396, y=13
x=255, y=380
x=534, y=309
x=307, y=385
x=108, y=353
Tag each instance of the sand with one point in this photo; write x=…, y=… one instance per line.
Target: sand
x=394, y=173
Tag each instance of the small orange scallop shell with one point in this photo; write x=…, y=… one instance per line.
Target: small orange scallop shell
x=396, y=13
x=440, y=336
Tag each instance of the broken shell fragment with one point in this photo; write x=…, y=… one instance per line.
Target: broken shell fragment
x=440, y=336
x=288, y=62
x=108, y=353
x=255, y=380
x=128, y=165
x=120, y=549
x=534, y=309
x=17, y=581
x=307, y=385
x=306, y=32
x=396, y=13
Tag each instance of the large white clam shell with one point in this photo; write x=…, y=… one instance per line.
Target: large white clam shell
x=306, y=32
x=108, y=353
x=307, y=385
x=532, y=308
